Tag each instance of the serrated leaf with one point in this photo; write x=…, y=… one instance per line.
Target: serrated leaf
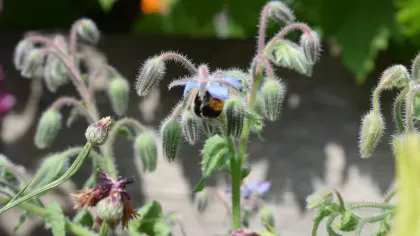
x=83, y=218
x=215, y=155
x=55, y=219
x=290, y=55
x=151, y=221
x=51, y=168
x=107, y=4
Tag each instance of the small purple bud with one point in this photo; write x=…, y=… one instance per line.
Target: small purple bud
x=97, y=133
x=311, y=46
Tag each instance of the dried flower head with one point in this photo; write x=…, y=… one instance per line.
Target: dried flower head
x=110, y=198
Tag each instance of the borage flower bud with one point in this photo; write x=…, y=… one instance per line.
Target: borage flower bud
x=119, y=94
x=88, y=31
x=97, y=133
x=370, y=134
x=394, y=76
x=190, y=127
x=21, y=52
x=55, y=74
x=311, y=46
x=202, y=201
x=208, y=127
x=235, y=112
x=267, y=216
x=171, y=131
x=280, y=12
x=320, y=199
x=273, y=93
x=48, y=127
x=111, y=200
x=145, y=149
x=33, y=65
x=151, y=72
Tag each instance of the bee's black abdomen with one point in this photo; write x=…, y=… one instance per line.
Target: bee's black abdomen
x=210, y=107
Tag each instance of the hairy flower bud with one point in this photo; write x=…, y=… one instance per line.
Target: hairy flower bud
x=110, y=209
x=371, y=132
x=33, y=65
x=171, y=131
x=320, y=199
x=47, y=129
x=208, y=127
x=55, y=74
x=21, y=52
x=190, y=127
x=267, y=216
x=88, y=31
x=151, y=72
x=235, y=112
x=394, y=76
x=202, y=201
x=273, y=93
x=280, y=12
x=311, y=46
x=97, y=133
x=145, y=149
x=119, y=94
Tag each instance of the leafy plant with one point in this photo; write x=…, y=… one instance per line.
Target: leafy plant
x=58, y=63
x=230, y=104
x=391, y=219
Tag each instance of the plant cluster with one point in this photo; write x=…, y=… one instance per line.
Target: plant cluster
x=224, y=105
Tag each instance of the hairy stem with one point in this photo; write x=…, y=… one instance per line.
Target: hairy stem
x=330, y=229
x=375, y=101
x=73, y=40
x=370, y=220
x=390, y=195
x=59, y=103
x=398, y=113
x=286, y=30
x=181, y=59
x=104, y=229
x=69, y=173
x=262, y=28
x=383, y=206
x=36, y=210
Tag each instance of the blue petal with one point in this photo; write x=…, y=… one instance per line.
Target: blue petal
x=264, y=187
x=218, y=91
x=189, y=86
x=233, y=81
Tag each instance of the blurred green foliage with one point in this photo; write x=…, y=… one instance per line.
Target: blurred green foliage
x=357, y=30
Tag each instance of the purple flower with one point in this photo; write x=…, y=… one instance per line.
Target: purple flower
x=215, y=84
x=257, y=187
x=7, y=101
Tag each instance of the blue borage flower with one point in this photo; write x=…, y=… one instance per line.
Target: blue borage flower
x=257, y=187
x=217, y=87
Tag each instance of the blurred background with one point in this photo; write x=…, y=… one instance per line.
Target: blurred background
x=315, y=142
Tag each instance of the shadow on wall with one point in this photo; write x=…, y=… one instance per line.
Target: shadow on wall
x=320, y=112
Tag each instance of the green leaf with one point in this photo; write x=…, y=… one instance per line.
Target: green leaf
x=55, y=220
x=200, y=186
x=361, y=30
x=107, y=4
x=215, y=155
x=83, y=218
x=51, y=168
x=151, y=221
x=269, y=231
x=290, y=55
x=20, y=221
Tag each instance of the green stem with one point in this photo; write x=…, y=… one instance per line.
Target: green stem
x=36, y=210
x=383, y=206
x=69, y=173
x=104, y=229
x=370, y=220
x=398, y=115
x=315, y=228
x=330, y=230
x=375, y=102
x=390, y=195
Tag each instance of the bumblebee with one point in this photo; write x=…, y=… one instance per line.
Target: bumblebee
x=208, y=106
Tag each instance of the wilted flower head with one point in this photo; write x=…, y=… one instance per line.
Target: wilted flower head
x=112, y=201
